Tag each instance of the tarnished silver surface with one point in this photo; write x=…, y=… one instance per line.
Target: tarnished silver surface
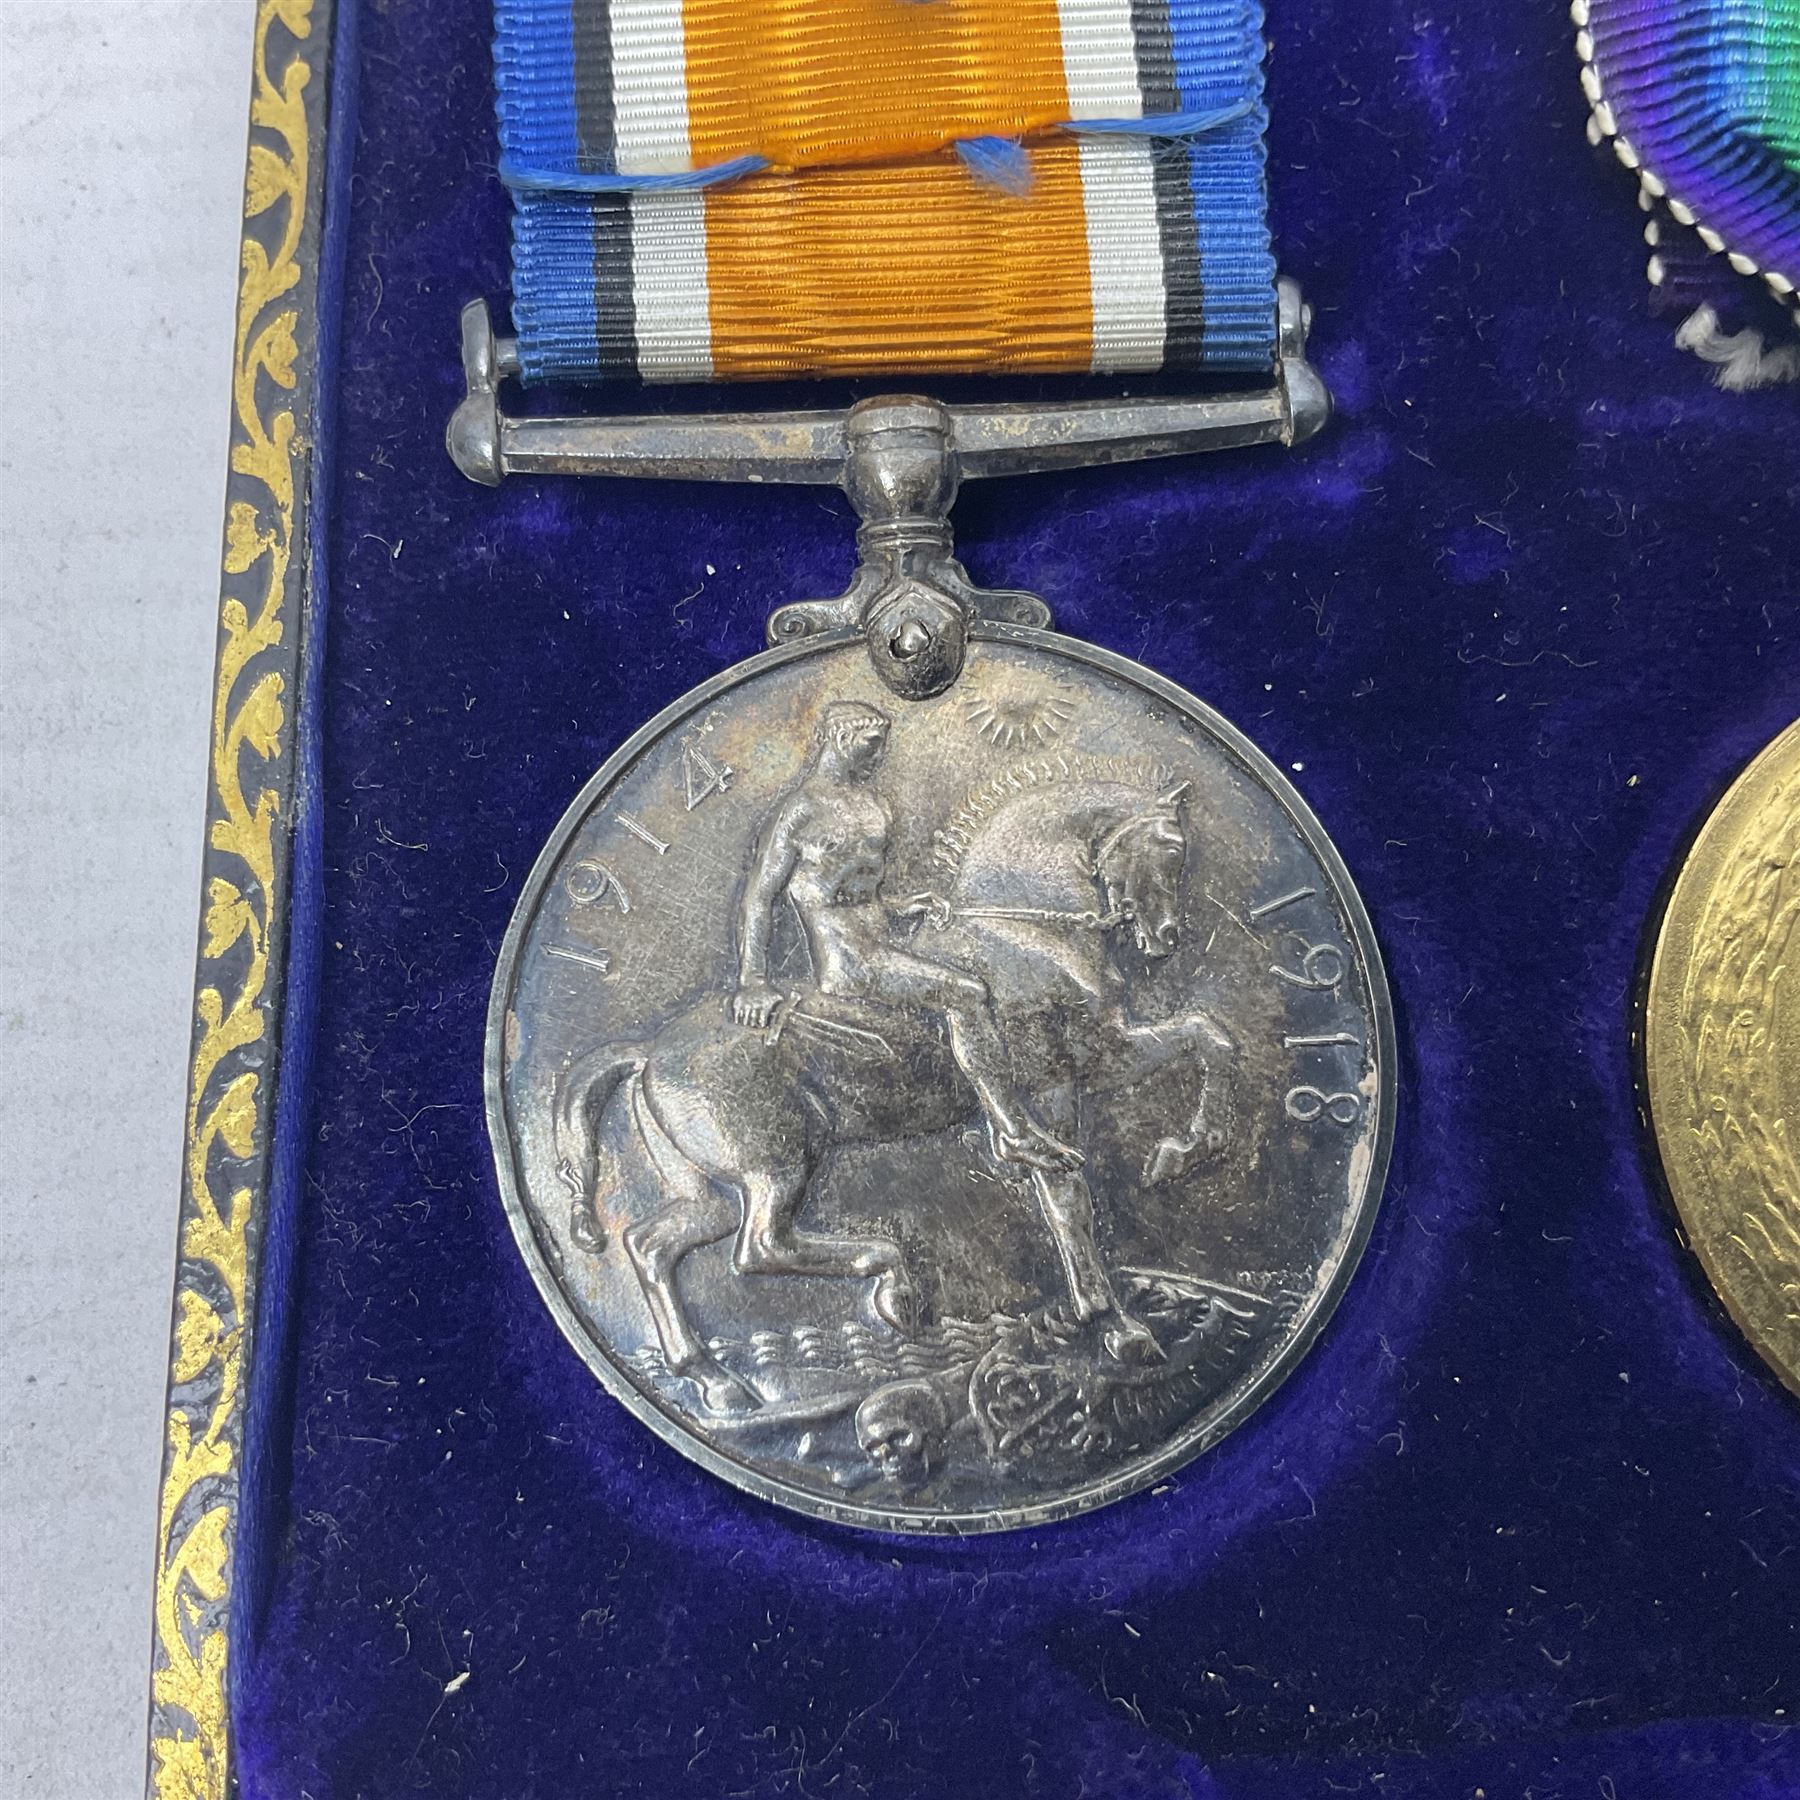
x=942, y=1114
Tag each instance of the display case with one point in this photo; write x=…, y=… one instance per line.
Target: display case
x=1524, y=1522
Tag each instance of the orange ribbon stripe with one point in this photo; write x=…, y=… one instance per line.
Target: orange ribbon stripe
x=855, y=270
x=811, y=82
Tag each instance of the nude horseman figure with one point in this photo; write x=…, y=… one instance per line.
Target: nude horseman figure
x=825, y=849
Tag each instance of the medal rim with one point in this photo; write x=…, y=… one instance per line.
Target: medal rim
x=1133, y=1477
x=1695, y=1181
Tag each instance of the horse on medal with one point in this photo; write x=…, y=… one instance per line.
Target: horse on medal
x=921, y=1018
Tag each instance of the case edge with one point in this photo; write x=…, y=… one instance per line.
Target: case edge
x=243, y=939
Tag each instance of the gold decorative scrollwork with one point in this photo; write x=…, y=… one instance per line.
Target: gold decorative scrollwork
x=228, y=1096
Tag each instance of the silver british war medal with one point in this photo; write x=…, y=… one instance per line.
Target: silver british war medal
x=940, y=1072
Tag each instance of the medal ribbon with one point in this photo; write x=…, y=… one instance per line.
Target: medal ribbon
x=1705, y=97
x=752, y=189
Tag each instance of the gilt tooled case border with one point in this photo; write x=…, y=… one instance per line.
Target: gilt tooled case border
x=252, y=967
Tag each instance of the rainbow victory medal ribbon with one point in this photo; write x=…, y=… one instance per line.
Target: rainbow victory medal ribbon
x=743, y=189
x=1702, y=99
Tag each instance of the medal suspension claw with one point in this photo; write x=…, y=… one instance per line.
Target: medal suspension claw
x=910, y=597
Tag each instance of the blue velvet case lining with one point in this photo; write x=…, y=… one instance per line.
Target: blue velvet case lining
x=1525, y=1521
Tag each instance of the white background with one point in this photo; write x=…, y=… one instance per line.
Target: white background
x=122, y=129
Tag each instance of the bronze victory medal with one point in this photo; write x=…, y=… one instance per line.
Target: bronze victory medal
x=940, y=1114
x=1722, y=1051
